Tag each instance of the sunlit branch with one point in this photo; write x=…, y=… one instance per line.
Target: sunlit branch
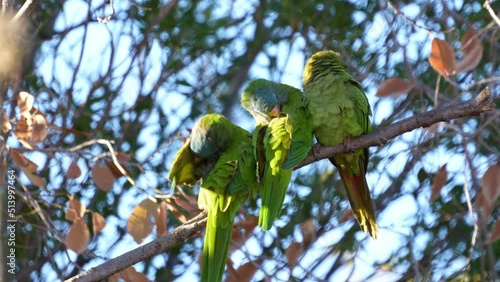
x=22, y=10
x=492, y=13
x=481, y=103
x=155, y=247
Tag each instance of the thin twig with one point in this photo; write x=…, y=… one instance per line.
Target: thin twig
x=110, y=16
x=471, y=213
x=492, y=13
x=22, y=10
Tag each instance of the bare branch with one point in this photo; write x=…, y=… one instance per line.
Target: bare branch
x=22, y=10
x=481, y=103
x=174, y=238
x=492, y=13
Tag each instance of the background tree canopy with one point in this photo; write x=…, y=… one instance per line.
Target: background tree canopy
x=97, y=97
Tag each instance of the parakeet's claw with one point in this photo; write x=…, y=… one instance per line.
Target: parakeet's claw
x=382, y=141
x=347, y=145
x=316, y=150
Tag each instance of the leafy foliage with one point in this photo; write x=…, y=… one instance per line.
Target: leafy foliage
x=92, y=105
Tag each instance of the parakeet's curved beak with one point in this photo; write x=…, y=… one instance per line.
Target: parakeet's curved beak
x=276, y=111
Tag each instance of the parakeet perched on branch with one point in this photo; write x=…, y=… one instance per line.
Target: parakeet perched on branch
x=339, y=110
x=220, y=153
x=282, y=139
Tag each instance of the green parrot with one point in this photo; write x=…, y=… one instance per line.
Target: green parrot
x=339, y=110
x=220, y=153
x=282, y=139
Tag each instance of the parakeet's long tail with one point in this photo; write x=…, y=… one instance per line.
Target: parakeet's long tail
x=273, y=196
x=361, y=203
x=216, y=246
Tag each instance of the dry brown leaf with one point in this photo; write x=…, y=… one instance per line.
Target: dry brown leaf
x=31, y=129
x=249, y=222
x=347, y=215
x=5, y=123
x=161, y=221
x=189, y=205
x=442, y=57
x=38, y=129
x=23, y=128
x=140, y=224
x=35, y=179
x=294, y=251
x=74, y=170
x=200, y=260
x=308, y=230
x=113, y=168
x=98, y=222
x=28, y=167
x=78, y=237
x=242, y=231
x=491, y=184
x=25, y=102
x=174, y=208
x=76, y=209
x=472, y=50
x=36, y=111
x=238, y=238
x=495, y=233
x=26, y=144
x=245, y=272
x=122, y=158
x=102, y=177
x=481, y=204
x=129, y=274
x=394, y=86
x=438, y=183
x=19, y=159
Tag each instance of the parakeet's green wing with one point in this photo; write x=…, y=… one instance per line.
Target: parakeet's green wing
x=259, y=150
x=298, y=126
x=361, y=105
x=352, y=167
x=183, y=167
x=275, y=183
x=300, y=132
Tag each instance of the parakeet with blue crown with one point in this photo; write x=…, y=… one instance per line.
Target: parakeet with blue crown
x=220, y=154
x=282, y=139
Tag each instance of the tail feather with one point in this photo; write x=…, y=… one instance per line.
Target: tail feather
x=359, y=197
x=216, y=246
x=273, y=196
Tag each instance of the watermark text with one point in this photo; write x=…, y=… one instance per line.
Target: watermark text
x=11, y=221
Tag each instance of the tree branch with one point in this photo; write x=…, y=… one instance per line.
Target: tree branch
x=473, y=107
x=482, y=103
x=160, y=245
